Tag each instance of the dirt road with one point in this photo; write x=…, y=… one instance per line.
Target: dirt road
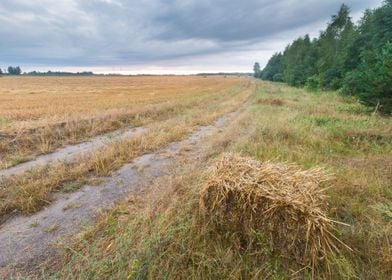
x=25, y=241
x=71, y=152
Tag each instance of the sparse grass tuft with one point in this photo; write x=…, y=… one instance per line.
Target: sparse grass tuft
x=71, y=206
x=51, y=228
x=72, y=186
x=271, y=101
x=34, y=224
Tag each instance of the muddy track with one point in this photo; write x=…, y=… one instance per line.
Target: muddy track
x=71, y=152
x=25, y=241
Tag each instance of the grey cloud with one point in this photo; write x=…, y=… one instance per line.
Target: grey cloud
x=242, y=20
x=120, y=32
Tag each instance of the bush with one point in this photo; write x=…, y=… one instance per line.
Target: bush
x=332, y=79
x=313, y=83
x=278, y=77
x=373, y=83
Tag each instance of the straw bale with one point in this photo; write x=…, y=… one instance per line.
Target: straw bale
x=281, y=202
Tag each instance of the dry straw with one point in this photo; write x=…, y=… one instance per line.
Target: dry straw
x=283, y=203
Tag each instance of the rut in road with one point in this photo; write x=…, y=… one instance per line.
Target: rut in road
x=25, y=241
x=71, y=152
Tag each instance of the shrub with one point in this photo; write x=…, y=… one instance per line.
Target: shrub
x=278, y=77
x=373, y=84
x=313, y=83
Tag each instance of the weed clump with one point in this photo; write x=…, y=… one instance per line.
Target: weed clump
x=272, y=101
x=281, y=202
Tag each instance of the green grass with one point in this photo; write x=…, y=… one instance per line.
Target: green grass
x=18, y=159
x=156, y=234
x=72, y=186
x=329, y=130
x=4, y=120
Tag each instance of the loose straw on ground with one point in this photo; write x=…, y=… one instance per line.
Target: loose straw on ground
x=283, y=203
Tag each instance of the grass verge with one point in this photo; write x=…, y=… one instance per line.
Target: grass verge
x=156, y=234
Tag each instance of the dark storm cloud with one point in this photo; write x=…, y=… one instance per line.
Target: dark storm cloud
x=120, y=32
x=238, y=20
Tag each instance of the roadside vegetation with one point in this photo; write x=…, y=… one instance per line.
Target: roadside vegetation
x=353, y=58
x=158, y=233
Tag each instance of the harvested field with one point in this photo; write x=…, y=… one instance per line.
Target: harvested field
x=31, y=102
x=203, y=192
x=40, y=114
x=32, y=190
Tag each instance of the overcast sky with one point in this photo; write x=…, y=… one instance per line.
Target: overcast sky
x=157, y=36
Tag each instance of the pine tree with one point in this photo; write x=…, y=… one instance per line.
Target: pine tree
x=355, y=59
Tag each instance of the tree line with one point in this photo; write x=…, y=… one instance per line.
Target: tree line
x=11, y=70
x=59, y=73
x=355, y=59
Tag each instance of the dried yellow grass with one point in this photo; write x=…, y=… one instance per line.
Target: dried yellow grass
x=283, y=203
x=41, y=114
x=33, y=102
x=29, y=192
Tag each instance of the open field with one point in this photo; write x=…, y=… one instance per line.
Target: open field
x=40, y=114
x=30, y=191
x=162, y=230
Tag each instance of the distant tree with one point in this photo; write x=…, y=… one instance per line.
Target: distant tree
x=59, y=73
x=355, y=59
x=373, y=84
x=333, y=46
x=1, y=71
x=14, y=70
x=371, y=78
x=299, y=61
x=257, y=70
x=278, y=77
x=273, y=71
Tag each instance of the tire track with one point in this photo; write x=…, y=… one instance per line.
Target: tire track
x=25, y=241
x=72, y=152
